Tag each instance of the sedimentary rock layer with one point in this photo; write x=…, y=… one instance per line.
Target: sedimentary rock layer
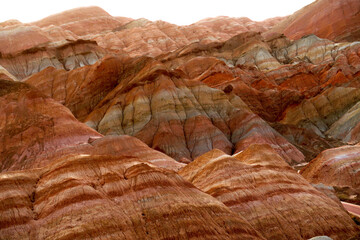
x=123, y=197
x=338, y=167
x=32, y=124
x=82, y=89
x=181, y=118
x=36, y=130
x=334, y=20
x=259, y=185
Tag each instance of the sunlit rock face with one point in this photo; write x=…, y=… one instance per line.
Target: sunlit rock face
x=337, y=167
x=334, y=20
x=259, y=185
x=112, y=197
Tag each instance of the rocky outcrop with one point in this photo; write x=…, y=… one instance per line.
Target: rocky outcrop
x=33, y=124
x=271, y=75
x=143, y=37
x=259, y=185
x=337, y=167
x=328, y=113
x=83, y=21
x=334, y=20
x=81, y=36
x=36, y=130
x=82, y=89
x=181, y=118
x=112, y=197
x=306, y=140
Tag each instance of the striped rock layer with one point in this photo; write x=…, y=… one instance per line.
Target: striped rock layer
x=81, y=36
x=181, y=118
x=107, y=197
x=36, y=130
x=337, y=167
x=259, y=185
x=334, y=20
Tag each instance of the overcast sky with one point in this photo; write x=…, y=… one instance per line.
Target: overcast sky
x=180, y=12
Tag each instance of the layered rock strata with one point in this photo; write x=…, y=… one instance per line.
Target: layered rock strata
x=122, y=197
x=337, y=167
x=334, y=20
x=259, y=185
x=36, y=130
x=181, y=118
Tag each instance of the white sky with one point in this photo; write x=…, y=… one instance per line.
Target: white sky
x=180, y=12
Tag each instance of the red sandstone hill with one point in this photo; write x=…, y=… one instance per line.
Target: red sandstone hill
x=132, y=129
x=331, y=19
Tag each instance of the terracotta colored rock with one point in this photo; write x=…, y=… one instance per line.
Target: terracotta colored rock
x=259, y=185
x=32, y=124
x=36, y=130
x=338, y=167
x=324, y=110
x=306, y=140
x=316, y=65
x=347, y=128
x=334, y=20
x=5, y=75
x=181, y=118
x=125, y=146
x=110, y=197
x=83, y=21
x=26, y=60
x=82, y=89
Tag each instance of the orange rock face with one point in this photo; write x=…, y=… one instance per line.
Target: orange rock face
x=259, y=185
x=181, y=118
x=338, y=167
x=111, y=197
x=334, y=20
x=36, y=130
x=33, y=124
x=95, y=19
x=132, y=129
x=82, y=89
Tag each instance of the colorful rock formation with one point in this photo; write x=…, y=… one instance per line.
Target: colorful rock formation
x=33, y=124
x=181, y=118
x=334, y=20
x=124, y=129
x=259, y=185
x=82, y=89
x=36, y=130
x=337, y=167
x=110, y=197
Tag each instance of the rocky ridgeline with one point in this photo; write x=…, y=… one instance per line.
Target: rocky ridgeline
x=132, y=129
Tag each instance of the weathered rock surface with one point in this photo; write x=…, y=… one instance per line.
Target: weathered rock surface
x=31, y=124
x=338, y=167
x=269, y=76
x=306, y=140
x=259, y=185
x=185, y=91
x=36, y=130
x=82, y=89
x=83, y=21
x=110, y=197
x=334, y=20
x=332, y=112
x=181, y=118
x=81, y=36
